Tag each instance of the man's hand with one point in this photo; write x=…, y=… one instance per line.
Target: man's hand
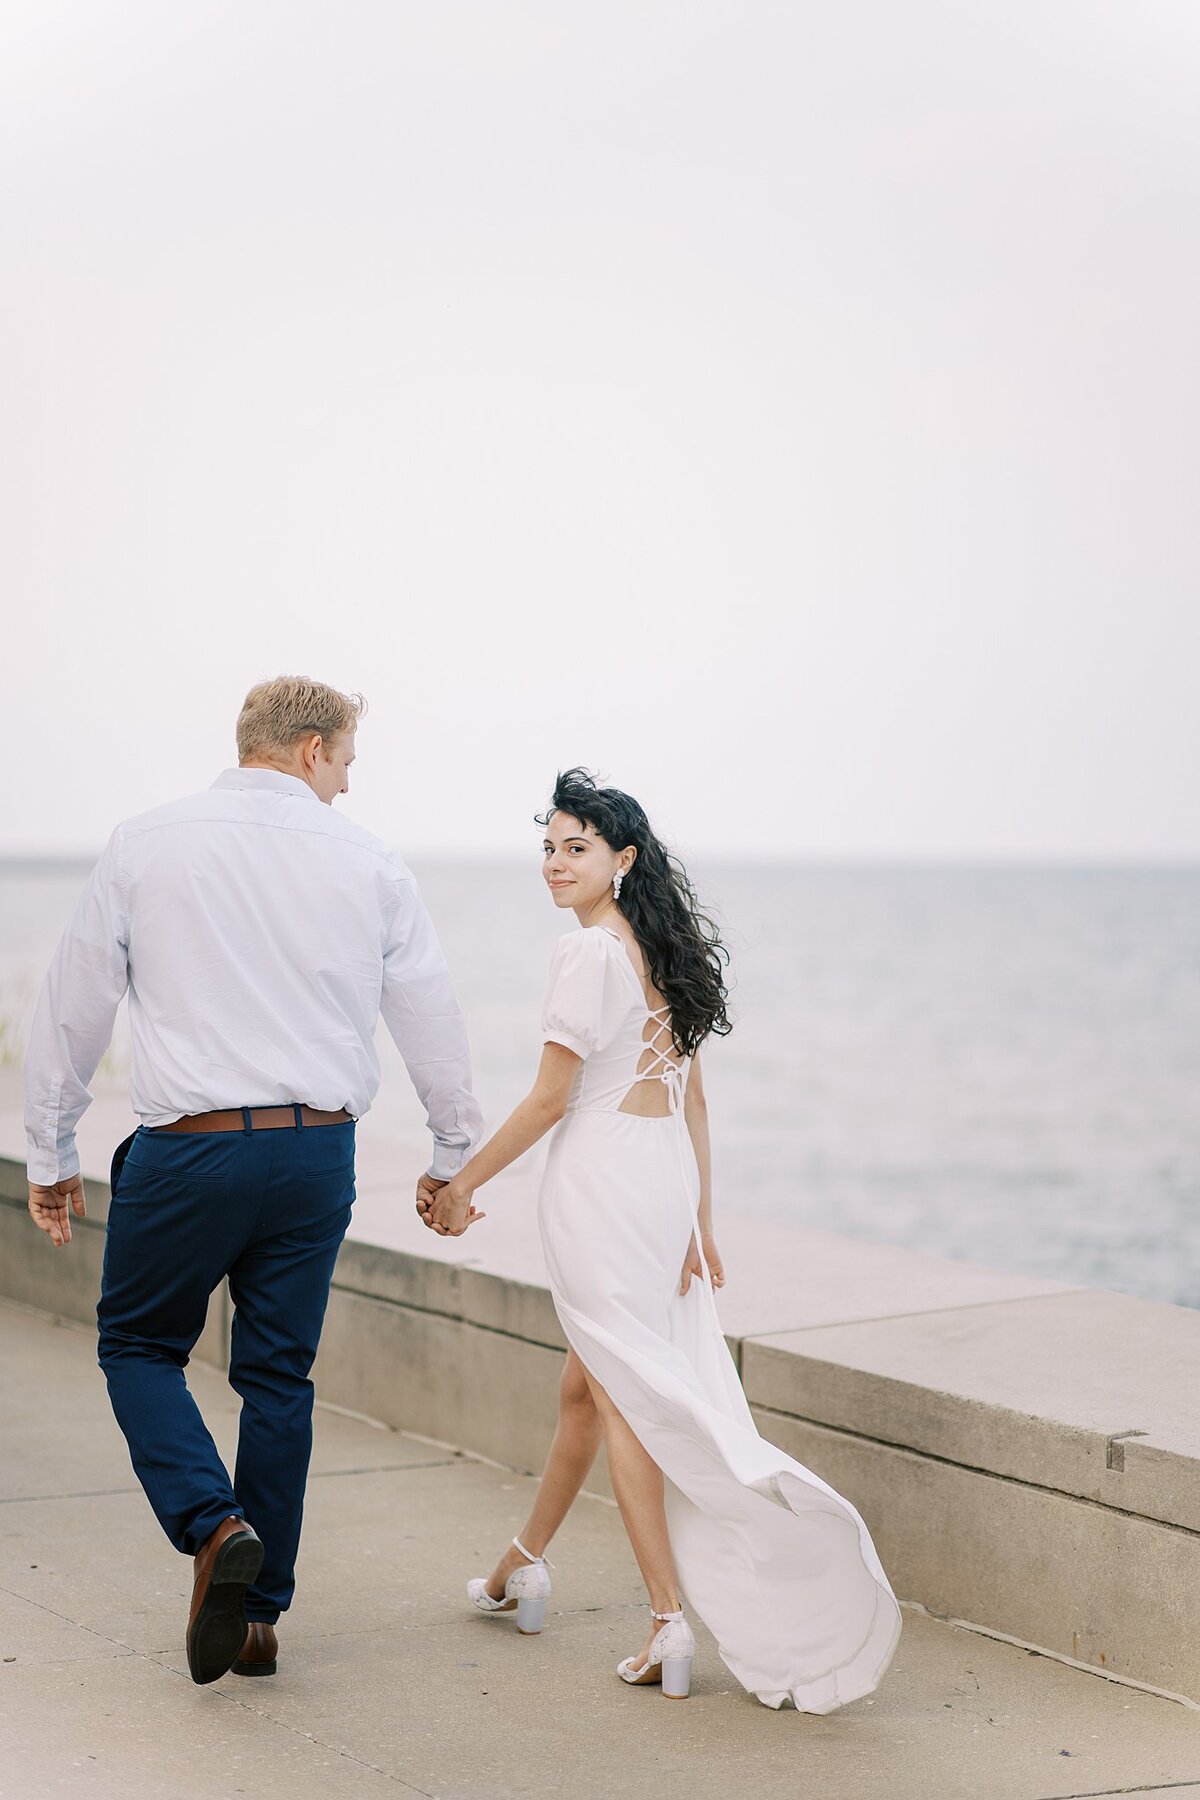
x=51, y=1207
x=428, y=1188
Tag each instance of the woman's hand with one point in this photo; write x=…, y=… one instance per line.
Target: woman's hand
x=692, y=1265
x=452, y=1210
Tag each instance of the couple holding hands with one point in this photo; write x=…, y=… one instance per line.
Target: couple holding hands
x=260, y=935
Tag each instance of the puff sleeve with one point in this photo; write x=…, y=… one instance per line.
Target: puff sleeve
x=585, y=998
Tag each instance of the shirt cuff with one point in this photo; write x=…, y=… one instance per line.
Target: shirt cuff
x=568, y=1042
x=448, y=1159
x=44, y=1167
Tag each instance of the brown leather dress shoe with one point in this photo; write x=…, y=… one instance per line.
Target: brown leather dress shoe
x=259, y=1650
x=225, y=1566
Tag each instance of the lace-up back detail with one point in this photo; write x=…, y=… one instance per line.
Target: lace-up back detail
x=596, y=1007
x=658, y=1082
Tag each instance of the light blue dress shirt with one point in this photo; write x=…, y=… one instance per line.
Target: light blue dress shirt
x=260, y=935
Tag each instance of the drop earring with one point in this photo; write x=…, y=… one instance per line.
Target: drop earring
x=618, y=878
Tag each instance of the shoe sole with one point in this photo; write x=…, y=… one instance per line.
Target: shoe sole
x=260, y=1668
x=220, y=1627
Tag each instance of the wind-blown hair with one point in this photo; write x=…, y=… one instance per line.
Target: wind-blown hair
x=681, y=944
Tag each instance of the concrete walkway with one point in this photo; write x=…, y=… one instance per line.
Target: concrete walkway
x=388, y=1685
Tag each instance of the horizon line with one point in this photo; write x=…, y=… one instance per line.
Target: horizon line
x=1082, y=859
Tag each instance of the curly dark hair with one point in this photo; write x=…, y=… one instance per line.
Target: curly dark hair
x=681, y=944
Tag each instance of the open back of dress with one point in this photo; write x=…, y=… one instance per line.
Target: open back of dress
x=661, y=1071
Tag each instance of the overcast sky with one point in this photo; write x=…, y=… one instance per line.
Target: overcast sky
x=791, y=410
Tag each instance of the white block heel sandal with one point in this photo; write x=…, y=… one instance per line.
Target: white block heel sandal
x=525, y=1592
x=669, y=1661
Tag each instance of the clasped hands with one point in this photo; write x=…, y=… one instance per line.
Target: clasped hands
x=445, y=1207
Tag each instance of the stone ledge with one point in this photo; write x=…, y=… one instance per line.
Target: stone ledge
x=1083, y=1392
x=1111, y=1589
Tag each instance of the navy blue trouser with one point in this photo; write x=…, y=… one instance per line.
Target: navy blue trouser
x=269, y=1209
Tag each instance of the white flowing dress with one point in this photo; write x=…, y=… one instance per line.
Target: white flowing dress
x=780, y=1568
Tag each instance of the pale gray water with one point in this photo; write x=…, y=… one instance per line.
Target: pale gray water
x=1001, y=1064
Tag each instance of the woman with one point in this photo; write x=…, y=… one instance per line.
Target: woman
x=780, y=1568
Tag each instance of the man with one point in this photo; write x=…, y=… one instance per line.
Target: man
x=259, y=936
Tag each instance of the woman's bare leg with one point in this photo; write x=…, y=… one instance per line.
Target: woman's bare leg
x=576, y=1443
x=638, y=1485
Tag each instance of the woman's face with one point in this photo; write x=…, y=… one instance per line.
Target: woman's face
x=577, y=865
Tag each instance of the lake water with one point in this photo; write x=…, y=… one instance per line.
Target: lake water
x=996, y=1063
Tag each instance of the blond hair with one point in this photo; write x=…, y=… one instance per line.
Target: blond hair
x=275, y=714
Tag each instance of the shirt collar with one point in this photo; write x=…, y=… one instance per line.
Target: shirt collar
x=271, y=781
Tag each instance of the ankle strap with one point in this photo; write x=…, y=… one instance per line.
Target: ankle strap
x=667, y=1618
x=518, y=1545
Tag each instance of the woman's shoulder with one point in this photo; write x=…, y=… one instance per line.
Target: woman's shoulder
x=587, y=998
x=579, y=949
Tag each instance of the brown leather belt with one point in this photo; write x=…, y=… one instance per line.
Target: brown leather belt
x=256, y=1118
